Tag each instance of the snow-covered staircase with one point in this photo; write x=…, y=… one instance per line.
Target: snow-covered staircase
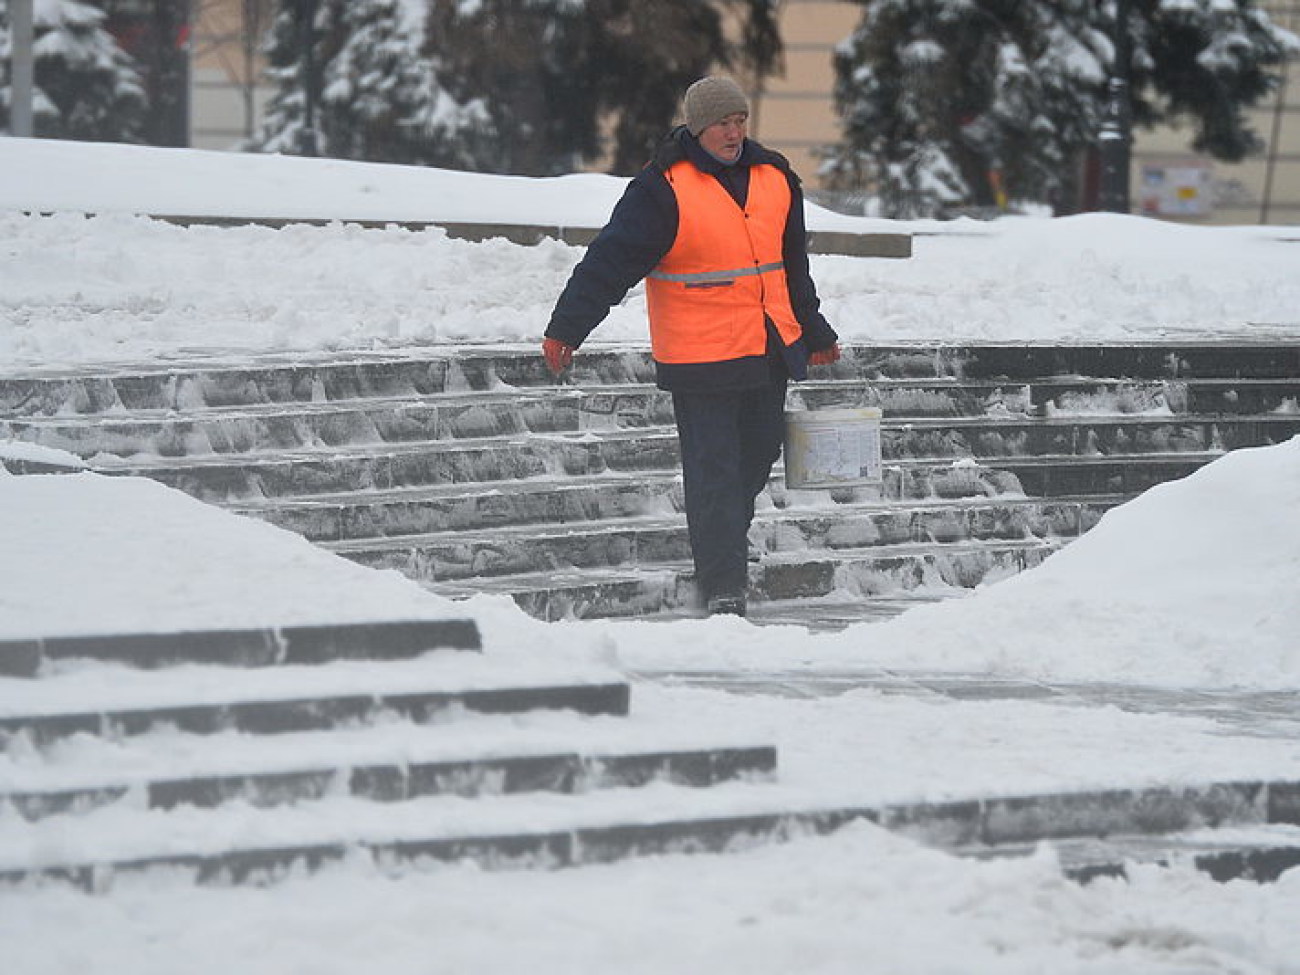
x=124, y=754
x=475, y=471
x=243, y=755
x=248, y=773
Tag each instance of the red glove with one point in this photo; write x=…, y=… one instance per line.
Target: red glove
x=825, y=357
x=557, y=355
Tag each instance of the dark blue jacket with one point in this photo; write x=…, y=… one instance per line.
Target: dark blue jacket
x=642, y=230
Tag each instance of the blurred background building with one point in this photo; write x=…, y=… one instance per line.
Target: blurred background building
x=793, y=113
x=228, y=91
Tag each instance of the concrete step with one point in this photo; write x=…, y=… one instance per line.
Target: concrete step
x=401, y=780
x=604, y=593
x=821, y=614
x=105, y=700
x=482, y=758
x=224, y=846
x=893, y=569
x=388, y=466
x=852, y=574
x=1231, y=830
x=306, y=378
x=492, y=505
x=1260, y=854
x=1251, y=825
x=644, y=540
x=1176, y=360
x=903, y=399
x=919, y=444
x=24, y=465
x=851, y=244
x=987, y=440
x=630, y=399
x=1001, y=422
x=1245, y=829
x=381, y=513
x=1052, y=475
x=998, y=426
x=377, y=640
x=266, y=428
x=1208, y=397
x=484, y=507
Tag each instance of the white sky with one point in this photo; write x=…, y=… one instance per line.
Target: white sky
x=1196, y=585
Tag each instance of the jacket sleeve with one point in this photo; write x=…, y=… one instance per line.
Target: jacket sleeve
x=640, y=232
x=817, y=332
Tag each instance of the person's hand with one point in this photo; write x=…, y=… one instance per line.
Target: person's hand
x=825, y=357
x=557, y=355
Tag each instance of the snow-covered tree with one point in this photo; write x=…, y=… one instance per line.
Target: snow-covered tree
x=566, y=81
x=647, y=54
x=86, y=87
x=1208, y=61
x=378, y=96
x=527, y=62
x=946, y=102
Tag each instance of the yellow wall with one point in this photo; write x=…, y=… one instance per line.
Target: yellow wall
x=795, y=114
x=223, y=75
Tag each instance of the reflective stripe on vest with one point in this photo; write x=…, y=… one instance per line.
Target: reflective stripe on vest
x=717, y=277
x=708, y=297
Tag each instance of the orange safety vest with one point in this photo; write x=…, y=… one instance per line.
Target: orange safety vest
x=706, y=299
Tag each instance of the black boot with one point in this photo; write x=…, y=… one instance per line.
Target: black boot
x=729, y=604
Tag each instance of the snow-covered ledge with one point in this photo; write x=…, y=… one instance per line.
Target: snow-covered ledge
x=190, y=186
x=17, y=457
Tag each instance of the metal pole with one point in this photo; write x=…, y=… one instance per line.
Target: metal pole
x=250, y=37
x=1116, y=134
x=169, y=68
x=23, y=68
x=307, y=11
x=1271, y=165
x=184, y=55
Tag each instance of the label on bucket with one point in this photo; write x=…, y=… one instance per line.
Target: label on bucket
x=832, y=448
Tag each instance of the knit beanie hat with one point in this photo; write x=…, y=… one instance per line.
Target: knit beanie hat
x=710, y=100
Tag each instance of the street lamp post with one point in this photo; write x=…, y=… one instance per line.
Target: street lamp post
x=22, y=68
x=167, y=61
x=307, y=40
x=1116, y=134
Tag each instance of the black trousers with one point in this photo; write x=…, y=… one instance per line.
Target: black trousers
x=729, y=442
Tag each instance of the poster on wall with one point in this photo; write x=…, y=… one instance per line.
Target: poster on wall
x=1177, y=190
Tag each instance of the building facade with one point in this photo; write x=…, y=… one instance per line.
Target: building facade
x=227, y=89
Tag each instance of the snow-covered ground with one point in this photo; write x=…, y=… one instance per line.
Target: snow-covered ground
x=119, y=288
x=1194, y=586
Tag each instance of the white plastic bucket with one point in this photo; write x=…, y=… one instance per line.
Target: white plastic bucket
x=832, y=448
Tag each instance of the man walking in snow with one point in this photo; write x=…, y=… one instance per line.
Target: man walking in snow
x=715, y=225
